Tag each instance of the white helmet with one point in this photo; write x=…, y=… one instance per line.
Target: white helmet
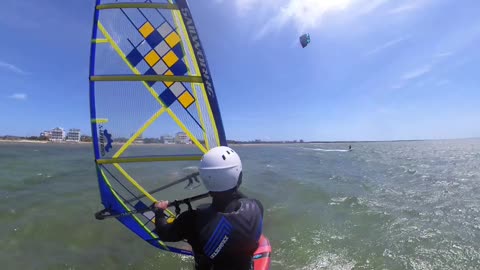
x=220, y=169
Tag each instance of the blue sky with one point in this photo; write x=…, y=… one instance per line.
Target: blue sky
x=375, y=69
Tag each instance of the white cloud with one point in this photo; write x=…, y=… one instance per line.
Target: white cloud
x=244, y=6
x=443, y=54
x=306, y=15
x=403, y=8
x=18, y=96
x=368, y=6
x=427, y=68
x=418, y=72
x=303, y=14
x=386, y=45
x=11, y=67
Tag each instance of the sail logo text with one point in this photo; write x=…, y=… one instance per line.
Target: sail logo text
x=102, y=140
x=198, y=51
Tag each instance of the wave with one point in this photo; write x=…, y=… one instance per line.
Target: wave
x=328, y=150
x=190, y=169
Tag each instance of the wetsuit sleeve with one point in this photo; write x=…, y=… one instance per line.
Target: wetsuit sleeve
x=180, y=229
x=260, y=205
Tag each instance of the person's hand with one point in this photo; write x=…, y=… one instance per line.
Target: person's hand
x=161, y=205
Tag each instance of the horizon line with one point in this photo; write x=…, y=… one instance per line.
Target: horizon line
x=259, y=141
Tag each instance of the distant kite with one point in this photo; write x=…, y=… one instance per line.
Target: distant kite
x=304, y=40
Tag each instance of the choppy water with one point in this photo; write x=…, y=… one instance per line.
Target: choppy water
x=403, y=205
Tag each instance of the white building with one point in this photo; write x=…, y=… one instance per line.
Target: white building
x=181, y=138
x=167, y=139
x=139, y=139
x=73, y=135
x=57, y=134
x=46, y=134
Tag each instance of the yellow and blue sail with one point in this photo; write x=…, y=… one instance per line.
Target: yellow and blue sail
x=148, y=76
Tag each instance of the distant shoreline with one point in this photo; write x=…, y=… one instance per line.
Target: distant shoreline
x=23, y=141
x=40, y=142
x=151, y=144
x=231, y=143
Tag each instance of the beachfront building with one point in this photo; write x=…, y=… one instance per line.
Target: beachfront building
x=57, y=134
x=167, y=139
x=73, y=135
x=182, y=138
x=85, y=138
x=139, y=139
x=46, y=134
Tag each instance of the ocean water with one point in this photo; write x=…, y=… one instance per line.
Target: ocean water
x=395, y=205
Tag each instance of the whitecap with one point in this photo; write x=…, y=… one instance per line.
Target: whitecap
x=330, y=150
x=330, y=261
x=339, y=199
x=190, y=168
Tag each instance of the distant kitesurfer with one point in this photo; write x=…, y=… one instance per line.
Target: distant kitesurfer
x=225, y=234
x=349, y=147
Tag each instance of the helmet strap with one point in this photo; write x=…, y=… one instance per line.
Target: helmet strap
x=239, y=182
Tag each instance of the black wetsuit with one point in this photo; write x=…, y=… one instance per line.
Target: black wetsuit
x=190, y=226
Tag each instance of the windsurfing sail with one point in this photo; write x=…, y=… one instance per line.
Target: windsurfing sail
x=304, y=40
x=153, y=109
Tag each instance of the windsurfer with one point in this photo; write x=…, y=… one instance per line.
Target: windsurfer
x=225, y=234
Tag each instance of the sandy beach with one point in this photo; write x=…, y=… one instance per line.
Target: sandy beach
x=22, y=141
